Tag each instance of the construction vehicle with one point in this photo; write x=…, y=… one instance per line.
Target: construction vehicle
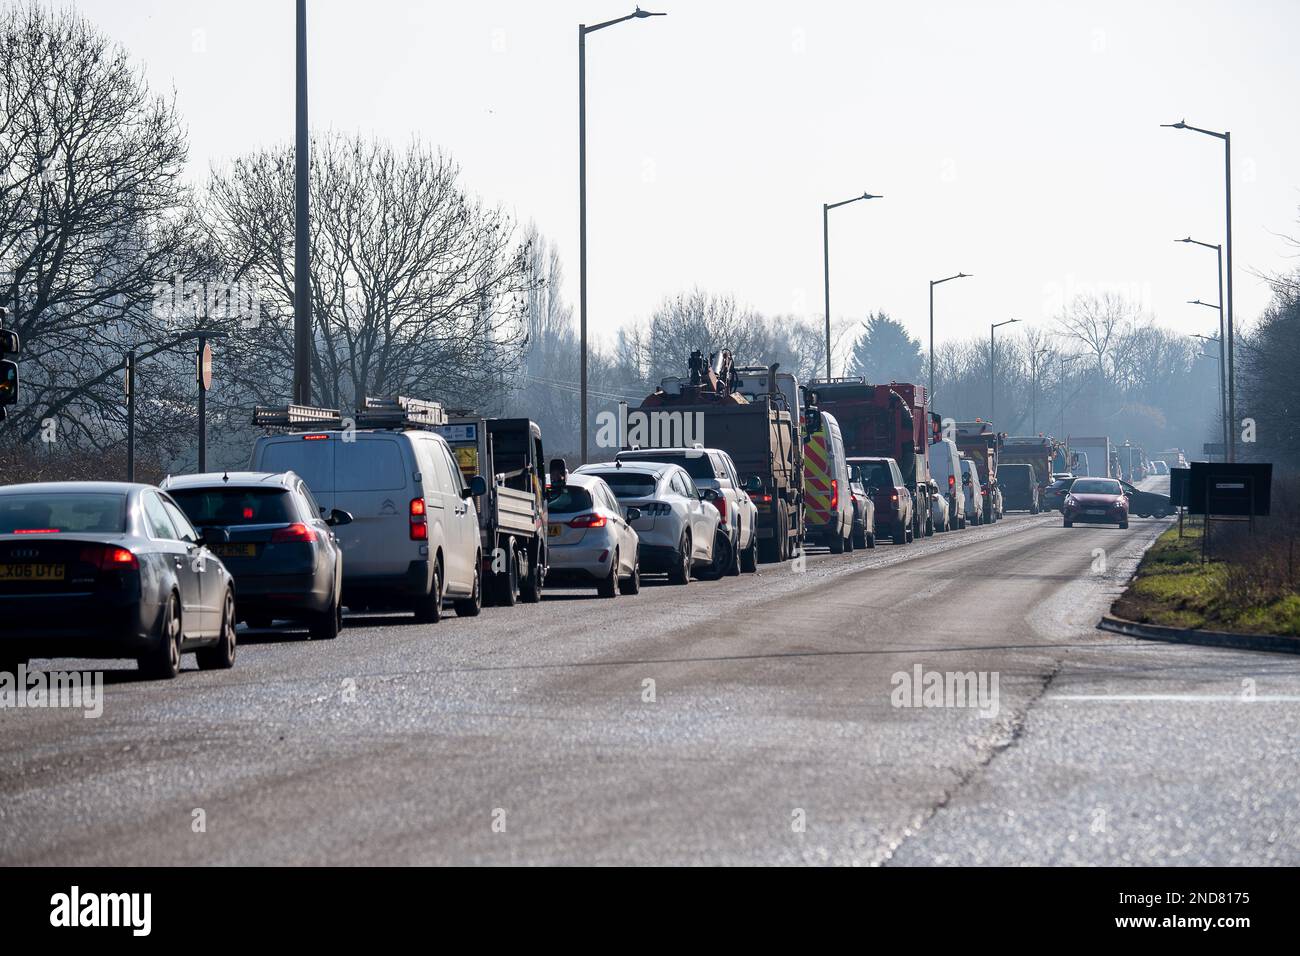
x=890, y=421
x=762, y=436
x=512, y=517
x=1045, y=453
x=980, y=442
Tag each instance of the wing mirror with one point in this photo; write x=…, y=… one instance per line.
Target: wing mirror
x=338, y=516
x=753, y=484
x=709, y=495
x=633, y=514
x=477, y=487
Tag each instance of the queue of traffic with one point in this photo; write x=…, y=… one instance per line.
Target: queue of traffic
x=404, y=507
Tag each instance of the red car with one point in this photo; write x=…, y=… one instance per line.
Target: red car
x=1095, y=501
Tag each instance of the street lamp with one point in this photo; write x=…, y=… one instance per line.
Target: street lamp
x=583, y=30
x=1033, y=402
x=826, y=263
x=992, y=379
x=1223, y=396
x=1227, y=192
x=1064, y=362
x=302, y=326
x=933, y=283
x=1223, y=362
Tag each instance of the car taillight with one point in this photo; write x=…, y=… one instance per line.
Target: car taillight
x=294, y=532
x=835, y=493
x=419, y=521
x=760, y=497
x=587, y=521
x=110, y=558
x=952, y=482
x=894, y=496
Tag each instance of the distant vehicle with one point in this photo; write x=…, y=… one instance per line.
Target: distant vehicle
x=414, y=538
x=106, y=569
x=828, y=506
x=282, y=552
x=1095, y=501
x=675, y=522
x=976, y=510
x=889, y=492
x=1019, y=486
x=939, y=514
x=1043, y=452
x=1054, y=495
x=864, y=511
x=945, y=469
x=982, y=444
x=712, y=468
x=1098, y=458
x=1160, y=469
x=1147, y=504
x=591, y=539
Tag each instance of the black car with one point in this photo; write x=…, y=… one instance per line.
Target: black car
x=106, y=569
x=281, y=549
x=1019, y=484
x=1147, y=504
x=1054, y=494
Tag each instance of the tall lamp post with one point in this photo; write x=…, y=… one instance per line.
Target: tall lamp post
x=1223, y=397
x=302, y=330
x=1064, y=362
x=1033, y=401
x=583, y=30
x=992, y=377
x=1223, y=360
x=1227, y=193
x=934, y=282
x=826, y=263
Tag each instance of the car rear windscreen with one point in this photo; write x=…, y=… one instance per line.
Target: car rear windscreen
x=876, y=475
x=697, y=466
x=60, y=512
x=627, y=484
x=569, y=500
x=227, y=507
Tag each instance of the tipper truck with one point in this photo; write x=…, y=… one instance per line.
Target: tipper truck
x=761, y=435
x=1045, y=453
x=889, y=421
x=981, y=443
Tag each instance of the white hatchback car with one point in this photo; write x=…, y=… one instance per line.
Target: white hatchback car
x=590, y=540
x=674, y=522
x=939, y=513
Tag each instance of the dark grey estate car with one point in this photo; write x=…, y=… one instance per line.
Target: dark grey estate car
x=109, y=569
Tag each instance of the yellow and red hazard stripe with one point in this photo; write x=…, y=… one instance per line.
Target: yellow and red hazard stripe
x=820, y=493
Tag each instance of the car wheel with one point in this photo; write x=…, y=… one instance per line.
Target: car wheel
x=506, y=589
x=733, y=556
x=607, y=587
x=871, y=540
x=900, y=532
x=428, y=609
x=1123, y=526
x=163, y=662
x=221, y=655
x=859, y=534
x=470, y=606
x=681, y=572
x=632, y=583
x=836, y=543
x=929, y=526
x=530, y=583
x=326, y=625
x=848, y=539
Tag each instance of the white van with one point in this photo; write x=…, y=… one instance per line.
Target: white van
x=945, y=469
x=972, y=499
x=828, y=500
x=414, y=537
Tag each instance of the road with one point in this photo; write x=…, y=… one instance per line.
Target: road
x=530, y=736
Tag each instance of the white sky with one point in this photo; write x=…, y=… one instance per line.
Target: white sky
x=1019, y=141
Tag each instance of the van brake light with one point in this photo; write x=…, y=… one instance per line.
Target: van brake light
x=419, y=521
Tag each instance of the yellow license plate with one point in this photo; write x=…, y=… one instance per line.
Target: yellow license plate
x=236, y=550
x=31, y=572
x=553, y=531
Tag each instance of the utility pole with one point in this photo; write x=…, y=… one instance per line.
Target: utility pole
x=302, y=324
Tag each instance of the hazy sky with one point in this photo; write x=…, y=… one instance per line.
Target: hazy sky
x=1016, y=141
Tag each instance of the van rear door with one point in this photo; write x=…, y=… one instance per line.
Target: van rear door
x=374, y=480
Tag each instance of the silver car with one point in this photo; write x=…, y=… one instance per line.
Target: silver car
x=590, y=540
x=676, y=524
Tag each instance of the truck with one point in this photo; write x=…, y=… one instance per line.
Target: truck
x=1045, y=453
x=886, y=421
x=762, y=436
x=1098, y=461
x=512, y=517
x=980, y=442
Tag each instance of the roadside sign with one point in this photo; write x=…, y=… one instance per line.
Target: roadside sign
x=1178, y=487
x=205, y=367
x=1235, y=489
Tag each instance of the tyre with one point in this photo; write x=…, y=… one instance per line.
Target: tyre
x=632, y=583
x=722, y=557
x=836, y=543
x=164, y=661
x=859, y=534
x=530, y=582
x=929, y=526
x=472, y=605
x=326, y=625
x=749, y=557
x=681, y=570
x=848, y=539
x=871, y=540
x=911, y=535
x=607, y=587
x=733, y=561
x=900, y=532
x=1123, y=526
x=428, y=609
x=221, y=655
x=506, y=584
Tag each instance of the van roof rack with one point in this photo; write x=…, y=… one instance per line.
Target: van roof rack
x=400, y=412
x=296, y=416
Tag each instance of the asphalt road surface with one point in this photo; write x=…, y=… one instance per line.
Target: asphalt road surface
x=770, y=733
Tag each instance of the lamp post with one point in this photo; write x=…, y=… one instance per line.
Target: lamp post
x=933, y=283
x=1227, y=193
x=992, y=377
x=826, y=263
x=583, y=30
x=1064, y=362
x=302, y=330
x=1223, y=388
x=1033, y=401
x=1223, y=361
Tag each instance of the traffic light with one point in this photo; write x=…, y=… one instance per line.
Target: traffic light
x=9, y=344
